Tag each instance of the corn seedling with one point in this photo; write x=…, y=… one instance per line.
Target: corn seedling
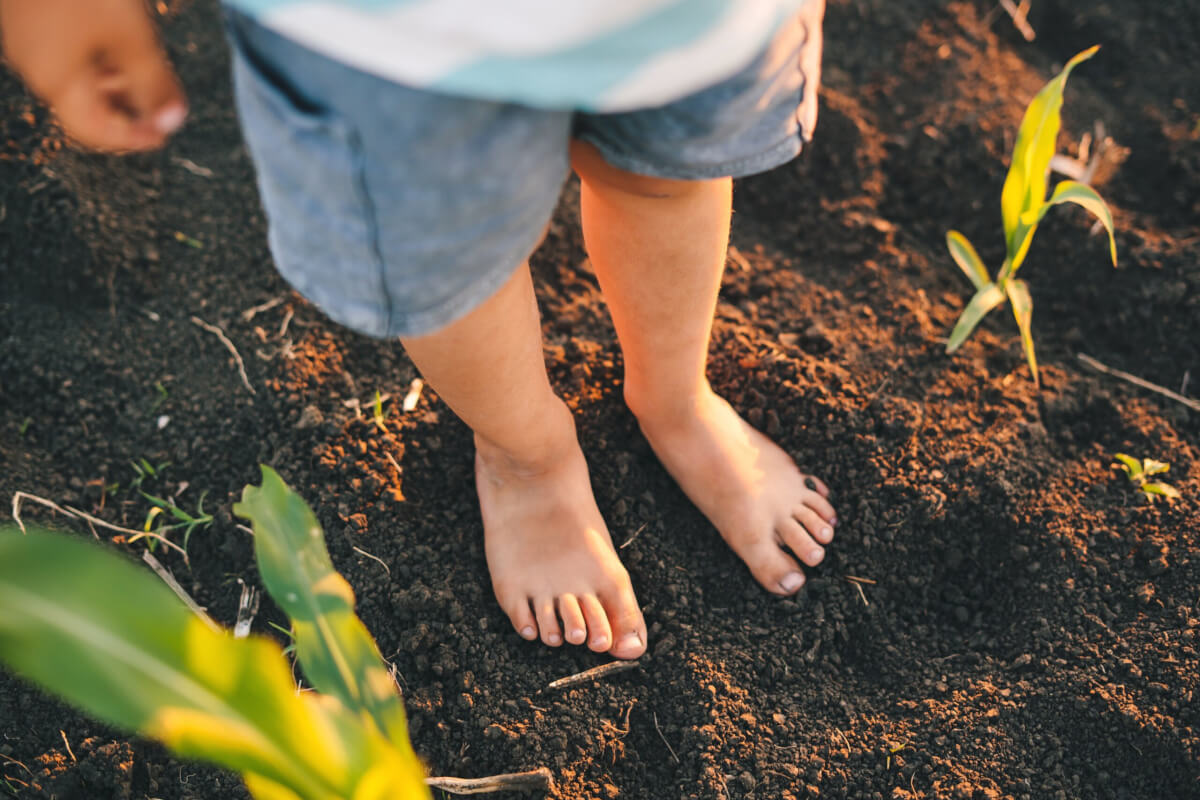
x=1023, y=204
x=1139, y=474
x=140, y=660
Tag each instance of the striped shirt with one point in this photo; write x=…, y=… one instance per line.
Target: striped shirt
x=590, y=55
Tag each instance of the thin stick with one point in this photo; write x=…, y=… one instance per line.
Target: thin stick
x=192, y=167
x=250, y=313
x=179, y=591
x=1018, y=17
x=670, y=749
x=861, y=593
x=287, y=320
x=538, y=780
x=595, y=673
x=392, y=459
x=70, y=752
x=382, y=563
x=220, y=334
x=1194, y=405
x=629, y=541
x=75, y=513
x=856, y=579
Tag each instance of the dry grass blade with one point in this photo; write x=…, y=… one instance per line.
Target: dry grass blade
x=1194, y=405
x=179, y=591
x=670, y=749
x=75, y=513
x=595, y=673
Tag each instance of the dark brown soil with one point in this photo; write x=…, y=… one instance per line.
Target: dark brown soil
x=1027, y=626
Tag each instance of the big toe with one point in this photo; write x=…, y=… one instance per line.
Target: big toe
x=777, y=572
x=627, y=624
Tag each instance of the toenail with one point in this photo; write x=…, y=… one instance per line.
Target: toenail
x=826, y=534
x=600, y=641
x=578, y=635
x=630, y=640
x=833, y=520
x=792, y=581
x=817, y=553
x=528, y=632
x=811, y=484
x=554, y=638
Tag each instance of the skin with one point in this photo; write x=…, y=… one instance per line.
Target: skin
x=658, y=248
x=100, y=67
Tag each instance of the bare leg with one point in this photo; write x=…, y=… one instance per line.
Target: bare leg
x=658, y=248
x=553, y=566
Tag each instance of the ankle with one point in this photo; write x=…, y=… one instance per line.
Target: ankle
x=544, y=444
x=665, y=409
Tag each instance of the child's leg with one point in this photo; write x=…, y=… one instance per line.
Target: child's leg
x=547, y=546
x=658, y=248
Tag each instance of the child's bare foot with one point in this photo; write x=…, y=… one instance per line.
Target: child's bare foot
x=747, y=486
x=553, y=565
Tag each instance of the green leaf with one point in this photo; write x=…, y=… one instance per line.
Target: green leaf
x=336, y=651
x=138, y=659
x=1025, y=185
x=1158, y=489
x=984, y=301
x=1132, y=467
x=1083, y=195
x=967, y=259
x=1022, y=308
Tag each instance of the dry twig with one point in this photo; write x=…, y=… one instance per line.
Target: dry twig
x=538, y=780
x=179, y=591
x=250, y=313
x=1194, y=405
x=670, y=749
x=595, y=673
x=636, y=533
x=382, y=563
x=220, y=334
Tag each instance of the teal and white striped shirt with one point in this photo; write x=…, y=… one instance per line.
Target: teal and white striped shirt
x=591, y=55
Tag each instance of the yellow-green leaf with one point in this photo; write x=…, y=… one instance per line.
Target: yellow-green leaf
x=1153, y=467
x=1157, y=489
x=1022, y=308
x=1083, y=195
x=1025, y=185
x=963, y=253
x=1132, y=467
x=112, y=639
x=984, y=301
x=334, y=648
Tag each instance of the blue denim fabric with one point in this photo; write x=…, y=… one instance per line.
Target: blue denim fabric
x=397, y=210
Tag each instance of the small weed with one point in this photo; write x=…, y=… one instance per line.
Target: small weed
x=183, y=520
x=1139, y=474
x=143, y=470
x=160, y=398
x=377, y=412
x=1023, y=204
x=24, y=427
x=183, y=238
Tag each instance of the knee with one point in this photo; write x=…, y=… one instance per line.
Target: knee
x=600, y=176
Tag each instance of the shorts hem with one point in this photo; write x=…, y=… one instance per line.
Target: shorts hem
x=774, y=156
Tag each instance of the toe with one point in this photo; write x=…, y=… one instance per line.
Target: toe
x=818, y=503
x=521, y=617
x=818, y=524
x=800, y=540
x=548, y=621
x=574, y=626
x=625, y=619
x=815, y=484
x=777, y=573
x=599, y=632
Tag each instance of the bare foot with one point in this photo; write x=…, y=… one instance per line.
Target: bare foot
x=554, y=569
x=749, y=489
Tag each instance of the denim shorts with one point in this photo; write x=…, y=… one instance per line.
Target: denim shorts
x=398, y=210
